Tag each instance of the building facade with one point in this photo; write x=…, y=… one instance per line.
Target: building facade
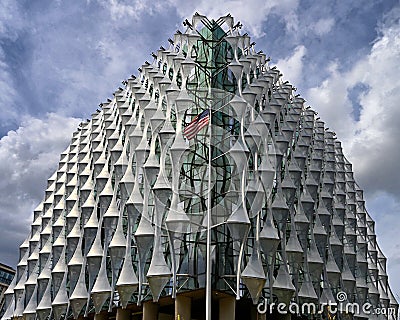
x=6, y=275
x=204, y=189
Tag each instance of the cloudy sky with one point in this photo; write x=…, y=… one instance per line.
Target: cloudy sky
x=60, y=59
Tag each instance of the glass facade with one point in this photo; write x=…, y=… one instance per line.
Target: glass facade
x=6, y=277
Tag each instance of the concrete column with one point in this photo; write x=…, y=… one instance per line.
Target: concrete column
x=183, y=308
x=150, y=310
x=227, y=308
x=262, y=316
x=123, y=314
x=101, y=316
x=256, y=315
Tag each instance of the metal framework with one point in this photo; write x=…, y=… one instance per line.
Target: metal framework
x=261, y=203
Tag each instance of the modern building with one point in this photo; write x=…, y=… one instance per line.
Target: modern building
x=204, y=189
x=6, y=275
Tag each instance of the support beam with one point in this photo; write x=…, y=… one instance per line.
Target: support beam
x=227, y=308
x=150, y=310
x=183, y=308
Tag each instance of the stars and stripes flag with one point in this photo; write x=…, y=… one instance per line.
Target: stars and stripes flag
x=198, y=122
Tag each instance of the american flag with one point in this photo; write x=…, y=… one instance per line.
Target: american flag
x=198, y=122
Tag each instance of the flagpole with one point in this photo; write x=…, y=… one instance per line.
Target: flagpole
x=208, y=258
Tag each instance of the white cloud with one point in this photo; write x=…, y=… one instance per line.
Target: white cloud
x=11, y=20
x=120, y=9
x=10, y=24
x=292, y=66
x=72, y=76
x=332, y=103
x=252, y=13
x=377, y=131
x=323, y=26
x=28, y=156
x=7, y=92
x=371, y=143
